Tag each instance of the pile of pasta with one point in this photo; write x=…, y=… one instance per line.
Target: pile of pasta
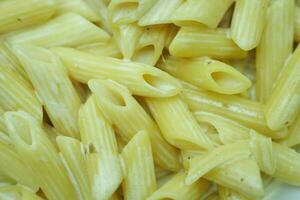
x=148, y=99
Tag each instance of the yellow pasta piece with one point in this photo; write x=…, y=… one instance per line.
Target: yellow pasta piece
x=176, y=188
x=151, y=44
x=207, y=73
x=275, y=46
x=69, y=30
x=284, y=102
x=17, y=95
x=209, y=13
x=201, y=41
x=18, y=192
x=138, y=168
x=288, y=163
x=297, y=24
x=160, y=13
x=228, y=194
x=293, y=137
x=242, y=176
x=139, y=78
x=226, y=153
x=109, y=48
x=52, y=133
x=98, y=138
x=15, y=167
x=248, y=22
x=17, y=14
x=128, y=11
x=127, y=37
x=125, y=113
x=213, y=196
x=172, y=32
x=80, y=7
x=2, y=124
x=248, y=113
x=262, y=150
x=50, y=79
x=228, y=130
x=72, y=156
x=34, y=147
x=177, y=124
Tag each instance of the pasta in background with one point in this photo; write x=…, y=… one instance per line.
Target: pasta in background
x=149, y=99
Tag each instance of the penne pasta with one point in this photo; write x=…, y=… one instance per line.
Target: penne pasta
x=109, y=49
x=16, y=14
x=248, y=113
x=14, y=167
x=213, y=196
x=72, y=156
x=242, y=176
x=199, y=166
x=297, y=24
x=69, y=30
x=293, y=138
x=207, y=73
x=34, y=147
x=18, y=95
x=140, y=79
x=284, y=102
x=14, y=192
x=128, y=11
x=275, y=46
x=228, y=194
x=248, y=22
x=104, y=170
x=173, y=30
x=138, y=168
x=128, y=117
x=160, y=13
x=50, y=79
x=288, y=163
x=176, y=188
x=127, y=37
x=81, y=89
x=2, y=124
x=195, y=12
x=177, y=124
x=80, y=7
x=151, y=44
x=52, y=134
x=201, y=41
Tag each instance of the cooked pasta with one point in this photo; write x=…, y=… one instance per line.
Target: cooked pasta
x=149, y=99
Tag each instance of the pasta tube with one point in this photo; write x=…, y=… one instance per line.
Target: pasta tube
x=125, y=113
x=104, y=170
x=228, y=194
x=69, y=30
x=2, y=124
x=151, y=44
x=80, y=7
x=138, y=168
x=225, y=153
x=34, y=147
x=275, y=46
x=128, y=11
x=284, y=103
x=17, y=95
x=16, y=14
x=293, y=137
x=248, y=113
x=200, y=41
x=248, y=22
x=139, y=78
x=109, y=49
x=176, y=188
x=160, y=13
x=14, y=192
x=127, y=37
x=209, y=13
x=50, y=79
x=207, y=73
x=71, y=154
x=14, y=166
x=177, y=124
